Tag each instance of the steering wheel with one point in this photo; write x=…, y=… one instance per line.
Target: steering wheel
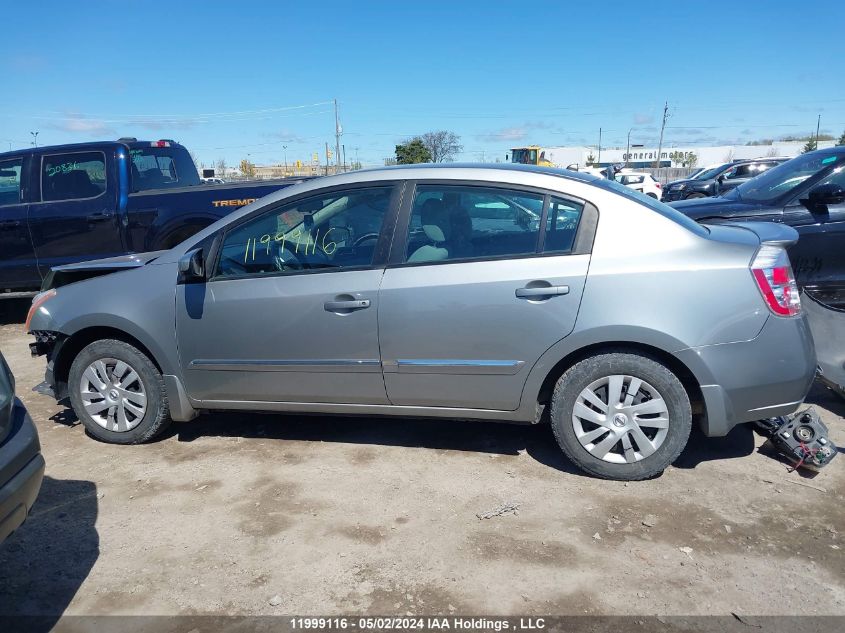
x=284, y=258
x=364, y=238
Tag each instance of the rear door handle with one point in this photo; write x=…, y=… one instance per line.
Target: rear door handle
x=99, y=217
x=355, y=304
x=542, y=291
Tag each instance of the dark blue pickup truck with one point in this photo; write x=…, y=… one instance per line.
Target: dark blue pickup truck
x=69, y=203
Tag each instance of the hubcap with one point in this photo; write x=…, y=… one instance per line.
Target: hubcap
x=620, y=419
x=113, y=394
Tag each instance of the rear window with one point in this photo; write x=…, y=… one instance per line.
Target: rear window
x=162, y=168
x=663, y=209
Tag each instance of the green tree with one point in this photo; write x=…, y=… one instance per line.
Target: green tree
x=591, y=159
x=810, y=146
x=412, y=151
x=841, y=140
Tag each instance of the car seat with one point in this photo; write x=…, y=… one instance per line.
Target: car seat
x=435, y=225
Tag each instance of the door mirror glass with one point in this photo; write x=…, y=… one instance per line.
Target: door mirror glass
x=826, y=194
x=192, y=266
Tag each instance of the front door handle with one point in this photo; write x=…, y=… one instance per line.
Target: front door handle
x=343, y=306
x=99, y=217
x=542, y=291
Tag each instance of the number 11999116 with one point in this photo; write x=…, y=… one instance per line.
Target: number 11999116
x=293, y=241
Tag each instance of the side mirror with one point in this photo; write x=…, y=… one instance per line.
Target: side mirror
x=192, y=266
x=824, y=195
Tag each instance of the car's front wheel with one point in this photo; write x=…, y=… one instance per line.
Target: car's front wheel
x=621, y=415
x=118, y=393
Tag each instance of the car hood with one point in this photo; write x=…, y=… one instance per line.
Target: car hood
x=703, y=208
x=133, y=260
x=679, y=182
x=69, y=273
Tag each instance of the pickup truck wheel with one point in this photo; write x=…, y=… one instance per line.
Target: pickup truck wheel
x=180, y=235
x=118, y=393
x=621, y=416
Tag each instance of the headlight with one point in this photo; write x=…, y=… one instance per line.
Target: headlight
x=37, y=301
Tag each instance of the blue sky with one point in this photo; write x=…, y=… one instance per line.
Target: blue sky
x=236, y=80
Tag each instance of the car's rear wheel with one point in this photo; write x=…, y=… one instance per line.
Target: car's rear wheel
x=118, y=393
x=695, y=195
x=652, y=195
x=621, y=415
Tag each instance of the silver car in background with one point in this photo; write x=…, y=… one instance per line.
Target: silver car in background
x=517, y=294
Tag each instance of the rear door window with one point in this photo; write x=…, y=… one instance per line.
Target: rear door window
x=10, y=181
x=466, y=222
x=73, y=176
x=561, y=225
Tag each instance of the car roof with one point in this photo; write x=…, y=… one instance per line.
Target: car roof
x=452, y=170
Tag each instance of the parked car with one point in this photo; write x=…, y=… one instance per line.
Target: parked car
x=400, y=292
x=69, y=203
x=640, y=181
x=718, y=180
x=21, y=463
x=807, y=193
x=214, y=181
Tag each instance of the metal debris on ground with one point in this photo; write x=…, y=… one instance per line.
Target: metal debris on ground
x=507, y=507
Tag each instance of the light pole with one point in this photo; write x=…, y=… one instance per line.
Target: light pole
x=285, y=149
x=628, y=148
x=34, y=138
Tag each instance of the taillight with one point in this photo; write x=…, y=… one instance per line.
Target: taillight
x=37, y=301
x=773, y=274
x=659, y=186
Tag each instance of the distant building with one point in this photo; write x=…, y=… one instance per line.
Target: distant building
x=671, y=156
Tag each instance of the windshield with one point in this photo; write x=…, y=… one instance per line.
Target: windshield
x=524, y=156
x=707, y=174
x=786, y=177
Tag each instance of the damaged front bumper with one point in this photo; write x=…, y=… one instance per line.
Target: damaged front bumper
x=48, y=344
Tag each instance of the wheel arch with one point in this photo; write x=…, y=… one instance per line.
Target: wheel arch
x=169, y=236
x=541, y=382
x=76, y=342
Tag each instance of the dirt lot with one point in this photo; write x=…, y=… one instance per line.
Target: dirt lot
x=260, y=514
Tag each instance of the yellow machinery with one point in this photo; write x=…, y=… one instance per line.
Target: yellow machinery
x=530, y=155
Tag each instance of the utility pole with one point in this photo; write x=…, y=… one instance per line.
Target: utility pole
x=337, y=133
x=343, y=147
x=662, y=127
x=285, y=150
x=628, y=148
x=357, y=162
x=818, y=123
x=35, y=138
x=599, y=159
x=327, y=159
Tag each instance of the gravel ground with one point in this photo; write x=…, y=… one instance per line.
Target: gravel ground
x=264, y=514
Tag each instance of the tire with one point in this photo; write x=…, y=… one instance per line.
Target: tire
x=656, y=433
x=128, y=403
x=180, y=235
x=652, y=195
x=695, y=195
